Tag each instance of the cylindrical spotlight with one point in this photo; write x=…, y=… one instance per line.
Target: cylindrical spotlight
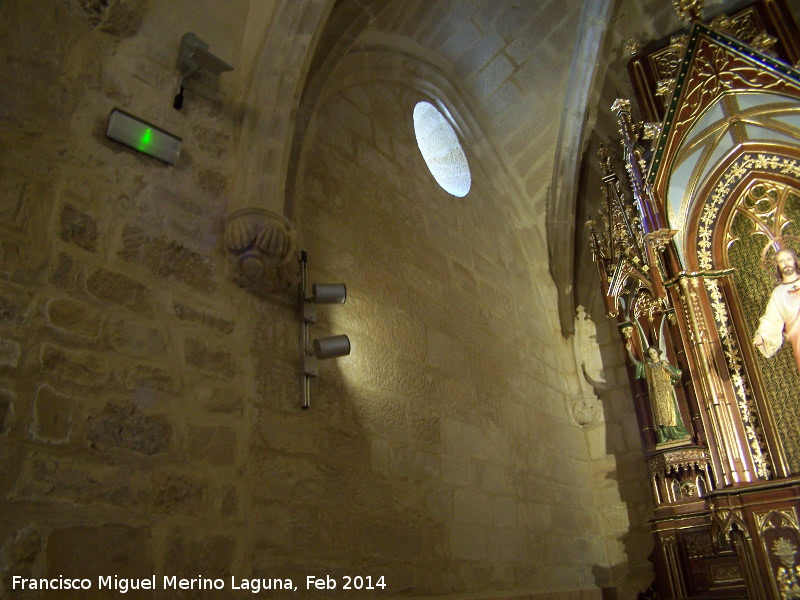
x=329, y=293
x=331, y=347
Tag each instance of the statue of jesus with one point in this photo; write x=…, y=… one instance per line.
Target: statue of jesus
x=780, y=318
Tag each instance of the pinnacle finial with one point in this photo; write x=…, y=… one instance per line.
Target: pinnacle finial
x=690, y=10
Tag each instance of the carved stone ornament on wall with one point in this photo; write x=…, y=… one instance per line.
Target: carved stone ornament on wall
x=587, y=355
x=587, y=411
x=117, y=17
x=262, y=246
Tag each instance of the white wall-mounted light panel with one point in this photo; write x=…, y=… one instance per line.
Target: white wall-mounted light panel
x=143, y=136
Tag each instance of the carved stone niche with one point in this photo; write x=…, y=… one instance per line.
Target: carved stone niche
x=262, y=252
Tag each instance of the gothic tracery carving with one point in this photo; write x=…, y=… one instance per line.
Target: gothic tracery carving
x=716, y=69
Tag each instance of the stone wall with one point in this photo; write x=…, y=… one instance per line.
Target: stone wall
x=126, y=376
x=459, y=380
x=149, y=408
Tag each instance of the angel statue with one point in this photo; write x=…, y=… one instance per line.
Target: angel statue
x=661, y=379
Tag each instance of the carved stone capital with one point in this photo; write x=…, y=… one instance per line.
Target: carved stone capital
x=262, y=251
x=586, y=411
x=117, y=17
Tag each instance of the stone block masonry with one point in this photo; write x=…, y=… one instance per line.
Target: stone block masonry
x=119, y=436
x=149, y=407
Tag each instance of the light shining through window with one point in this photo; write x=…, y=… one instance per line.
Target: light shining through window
x=438, y=143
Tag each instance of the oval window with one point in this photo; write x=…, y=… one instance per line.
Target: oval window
x=438, y=143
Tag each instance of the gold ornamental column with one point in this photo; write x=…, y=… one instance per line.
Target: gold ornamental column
x=719, y=407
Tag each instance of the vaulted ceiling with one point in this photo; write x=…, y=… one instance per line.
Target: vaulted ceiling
x=527, y=82
x=530, y=75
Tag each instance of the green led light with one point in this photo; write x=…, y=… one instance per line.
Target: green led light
x=147, y=138
x=142, y=136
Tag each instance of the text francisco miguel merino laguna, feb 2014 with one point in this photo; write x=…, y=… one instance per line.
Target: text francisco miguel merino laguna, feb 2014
x=123, y=585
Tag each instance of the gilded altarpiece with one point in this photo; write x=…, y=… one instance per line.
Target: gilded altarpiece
x=687, y=257
x=779, y=532
x=751, y=211
x=767, y=209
